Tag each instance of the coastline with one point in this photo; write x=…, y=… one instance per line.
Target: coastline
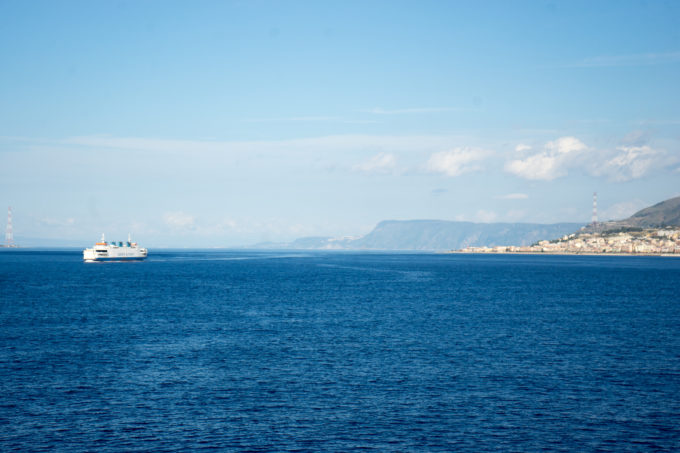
x=468, y=252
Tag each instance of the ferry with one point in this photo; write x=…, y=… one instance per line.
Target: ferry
x=115, y=251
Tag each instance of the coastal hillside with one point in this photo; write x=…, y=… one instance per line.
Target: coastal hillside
x=666, y=213
x=438, y=235
x=663, y=214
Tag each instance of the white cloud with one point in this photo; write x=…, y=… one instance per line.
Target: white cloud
x=631, y=162
x=634, y=159
x=565, y=145
x=522, y=147
x=312, y=145
x=179, y=220
x=555, y=159
x=645, y=122
x=456, y=161
x=380, y=163
x=644, y=59
x=382, y=111
x=311, y=119
x=52, y=222
x=228, y=224
x=622, y=210
x=513, y=196
x=485, y=216
x=302, y=119
x=636, y=138
x=515, y=215
x=539, y=166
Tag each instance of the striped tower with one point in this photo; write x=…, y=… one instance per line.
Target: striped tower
x=594, y=219
x=9, y=235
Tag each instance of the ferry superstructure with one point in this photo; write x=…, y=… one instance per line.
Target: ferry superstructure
x=115, y=251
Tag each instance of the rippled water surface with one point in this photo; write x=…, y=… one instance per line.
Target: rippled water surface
x=267, y=351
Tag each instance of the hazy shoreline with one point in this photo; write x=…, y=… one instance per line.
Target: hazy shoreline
x=563, y=253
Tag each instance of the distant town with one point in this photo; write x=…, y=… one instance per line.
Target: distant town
x=630, y=241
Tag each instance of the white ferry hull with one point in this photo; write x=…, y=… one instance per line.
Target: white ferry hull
x=126, y=258
x=112, y=251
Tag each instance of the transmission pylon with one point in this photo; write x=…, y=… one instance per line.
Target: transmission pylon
x=9, y=235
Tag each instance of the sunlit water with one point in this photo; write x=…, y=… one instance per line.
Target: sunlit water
x=275, y=351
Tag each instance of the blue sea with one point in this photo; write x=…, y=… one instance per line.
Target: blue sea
x=295, y=351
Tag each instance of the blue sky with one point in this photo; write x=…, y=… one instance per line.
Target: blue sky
x=229, y=123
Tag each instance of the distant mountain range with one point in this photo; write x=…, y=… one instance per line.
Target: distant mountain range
x=436, y=235
x=441, y=235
